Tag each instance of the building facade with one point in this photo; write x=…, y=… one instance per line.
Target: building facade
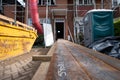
x=61, y=14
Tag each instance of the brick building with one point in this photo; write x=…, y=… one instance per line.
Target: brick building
x=62, y=14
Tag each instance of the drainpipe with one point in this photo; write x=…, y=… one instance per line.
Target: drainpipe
x=110, y=4
x=46, y=11
x=26, y=12
x=0, y=6
x=76, y=5
x=102, y=4
x=15, y=11
x=94, y=3
x=76, y=15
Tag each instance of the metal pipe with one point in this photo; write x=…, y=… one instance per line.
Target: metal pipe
x=47, y=11
x=15, y=11
x=1, y=6
x=26, y=11
x=102, y=4
x=94, y=4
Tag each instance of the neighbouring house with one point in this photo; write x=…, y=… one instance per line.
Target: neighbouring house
x=63, y=15
x=81, y=7
x=116, y=11
x=116, y=8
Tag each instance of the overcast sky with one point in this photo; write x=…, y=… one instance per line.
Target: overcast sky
x=118, y=1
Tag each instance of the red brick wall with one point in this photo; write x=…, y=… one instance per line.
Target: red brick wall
x=83, y=9
x=117, y=12
x=107, y=4
x=9, y=11
x=70, y=17
x=42, y=13
x=42, y=9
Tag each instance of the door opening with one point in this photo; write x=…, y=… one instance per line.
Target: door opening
x=59, y=30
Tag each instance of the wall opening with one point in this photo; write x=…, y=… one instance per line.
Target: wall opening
x=59, y=30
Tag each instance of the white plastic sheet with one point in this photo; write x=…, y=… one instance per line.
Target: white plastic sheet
x=48, y=34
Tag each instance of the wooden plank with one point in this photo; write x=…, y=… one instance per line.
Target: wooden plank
x=6, y=18
x=24, y=25
x=41, y=72
x=43, y=58
x=70, y=62
x=11, y=21
x=43, y=68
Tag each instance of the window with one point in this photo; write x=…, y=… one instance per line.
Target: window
x=115, y=3
x=44, y=2
x=85, y=2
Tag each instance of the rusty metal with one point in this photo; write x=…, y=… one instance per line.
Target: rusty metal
x=74, y=62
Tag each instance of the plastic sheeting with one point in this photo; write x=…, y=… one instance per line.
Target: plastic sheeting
x=48, y=35
x=108, y=45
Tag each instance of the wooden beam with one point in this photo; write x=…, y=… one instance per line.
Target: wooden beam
x=11, y=21
x=41, y=72
x=43, y=58
x=43, y=68
x=74, y=62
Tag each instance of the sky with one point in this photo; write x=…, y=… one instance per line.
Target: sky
x=118, y=1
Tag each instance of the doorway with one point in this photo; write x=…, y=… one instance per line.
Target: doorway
x=59, y=30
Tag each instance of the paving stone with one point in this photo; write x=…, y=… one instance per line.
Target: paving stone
x=29, y=69
x=1, y=74
x=23, y=63
x=21, y=70
x=6, y=76
x=1, y=71
x=15, y=75
x=7, y=71
x=30, y=64
x=7, y=67
x=21, y=78
x=14, y=68
x=26, y=67
x=26, y=73
x=28, y=60
x=1, y=67
x=31, y=75
x=18, y=64
x=8, y=79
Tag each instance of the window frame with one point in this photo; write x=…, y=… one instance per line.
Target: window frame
x=85, y=2
x=44, y=2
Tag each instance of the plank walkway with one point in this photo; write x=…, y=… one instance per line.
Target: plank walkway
x=74, y=62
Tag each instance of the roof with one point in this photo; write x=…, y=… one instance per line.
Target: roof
x=99, y=10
